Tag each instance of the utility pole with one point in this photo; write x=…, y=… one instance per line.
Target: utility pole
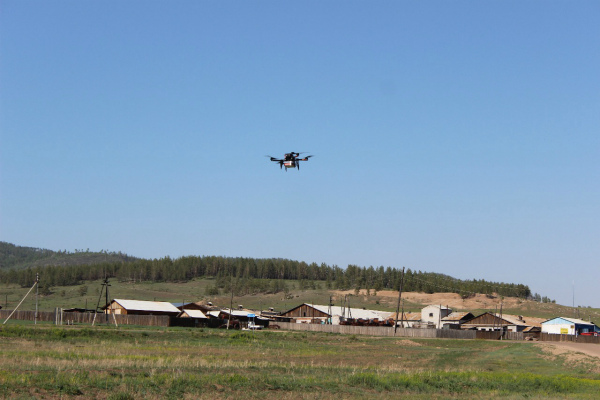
x=574, y=312
x=330, y=316
x=399, y=298
x=403, y=317
x=106, y=297
x=231, y=304
x=37, y=293
x=105, y=286
x=502, y=325
x=495, y=317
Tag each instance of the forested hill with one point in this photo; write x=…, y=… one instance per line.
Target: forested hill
x=20, y=257
x=247, y=274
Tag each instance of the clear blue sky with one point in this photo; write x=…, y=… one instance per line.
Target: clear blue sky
x=455, y=137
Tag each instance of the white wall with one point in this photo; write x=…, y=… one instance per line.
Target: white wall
x=432, y=314
x=565, y=329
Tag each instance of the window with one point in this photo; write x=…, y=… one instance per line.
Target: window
x=431, y=314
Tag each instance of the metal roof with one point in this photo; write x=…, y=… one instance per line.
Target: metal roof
x=356, y=313
x=236, y=313
x=408, y=316
x=153, y=306
x=505, y=319
x=456, y=316
x=195, y=314
x=571, y=320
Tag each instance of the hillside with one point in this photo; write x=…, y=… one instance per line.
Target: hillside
x=20, y=265
x=21, y=257
x=87, y=294
x=477, y=304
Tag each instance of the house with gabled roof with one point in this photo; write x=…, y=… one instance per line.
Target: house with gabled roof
x=432, y=315
x=140, y=307
x=455, y=319
x=315, y=313
x=197, y=314
x=205, y=307
x=568, y=326
x=497, y=322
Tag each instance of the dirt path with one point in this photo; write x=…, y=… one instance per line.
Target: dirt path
x=557, y=348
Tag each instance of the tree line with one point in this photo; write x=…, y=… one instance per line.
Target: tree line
x=261, y=273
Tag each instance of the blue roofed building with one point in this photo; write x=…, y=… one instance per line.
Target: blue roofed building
x=568, y=326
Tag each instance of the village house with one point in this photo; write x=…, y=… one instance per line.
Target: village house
x=140, y=307
x=204, y=307
x=456, y=319
x=431, y=316
x=242, y=317
x=197, y=314
x=335, y=315
x=498, y=322
x=568, y=326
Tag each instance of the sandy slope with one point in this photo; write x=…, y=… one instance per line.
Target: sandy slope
x=453, y=300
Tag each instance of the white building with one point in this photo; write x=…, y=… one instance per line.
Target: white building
x=567, y=326
x=433, y=315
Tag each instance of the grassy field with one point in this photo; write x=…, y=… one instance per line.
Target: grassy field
x=139, y=363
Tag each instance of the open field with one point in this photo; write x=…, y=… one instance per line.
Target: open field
x=106, y=363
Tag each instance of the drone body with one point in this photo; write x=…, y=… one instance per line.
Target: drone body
x=290, y=160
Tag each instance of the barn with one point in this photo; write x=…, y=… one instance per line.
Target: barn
x=140, y=307
x=568, y=326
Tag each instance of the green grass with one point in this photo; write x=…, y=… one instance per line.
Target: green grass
x=73, y=362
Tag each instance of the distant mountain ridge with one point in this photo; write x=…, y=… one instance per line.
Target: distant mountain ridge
x=247, y=275
x=22, y=257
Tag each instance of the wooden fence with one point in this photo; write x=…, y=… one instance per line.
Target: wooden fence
x=379, y=331
x=67, y=318
x=43, y=316
x=164, y=321
x=553, y=337
x=499, y=335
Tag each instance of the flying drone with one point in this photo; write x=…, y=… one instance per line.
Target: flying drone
x=290, y=160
